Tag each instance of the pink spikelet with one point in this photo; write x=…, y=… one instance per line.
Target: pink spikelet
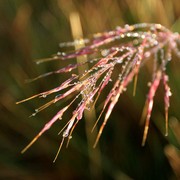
x=135, y=44
x=166, y=100
x=150, y=101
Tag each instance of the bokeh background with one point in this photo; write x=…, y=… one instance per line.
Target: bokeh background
x=31, y=29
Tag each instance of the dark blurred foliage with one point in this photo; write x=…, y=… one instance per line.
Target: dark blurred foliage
x=31, y=29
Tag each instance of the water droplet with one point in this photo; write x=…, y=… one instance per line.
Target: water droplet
x=119, y=61
x=65, y=134
x=135, y=34
x=147, y=54
x=124, y=89
x=135, y=41
x=44, y=95
x=158, y=26
x=152, y=28
x=117, y=37
x=70, y=137
x=126, y=26
x=57, y=96
x=58, y=53
x=122, y=36
x=33, y=114
x=105, y=52
x=128, y=58
x=118, y=28
x=169, y=93
x=143, y=36
x=154, y=35
x=128, y=34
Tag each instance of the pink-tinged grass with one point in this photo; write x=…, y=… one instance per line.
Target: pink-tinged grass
x=135, y=44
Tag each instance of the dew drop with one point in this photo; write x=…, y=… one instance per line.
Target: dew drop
x=152, y=29
x=105, y=52
x=57, y=96
x=135, y=41
x=44, y=95
x=65, y=134
x=126, y=26
x=135, y=35
x=164, y=68
x=158, y=26
x=128, y=34
x=58, y=53
x=147, y=54
x=70, y=137
x=33, y=114
x=118, y=28
x=119, y=61
x=124, y=89
x=143, y=36
x=122, y=36
x=169, y=93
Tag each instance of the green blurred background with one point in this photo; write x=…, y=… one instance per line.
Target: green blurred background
x=31, y=29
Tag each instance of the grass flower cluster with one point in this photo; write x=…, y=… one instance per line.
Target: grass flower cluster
x=126, y=48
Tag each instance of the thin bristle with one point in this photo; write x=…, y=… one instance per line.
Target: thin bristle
x=63, y=127
x=166, y=123
x=145, y=131
x=97, y=138
x=30, y=144
x=97, y=121
x=70, y=134
x=59, y=149
x=39, y=61
x=27, y=99
x=135, y=84
x=39, y=77
x=144, y=112
x=45, y=105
